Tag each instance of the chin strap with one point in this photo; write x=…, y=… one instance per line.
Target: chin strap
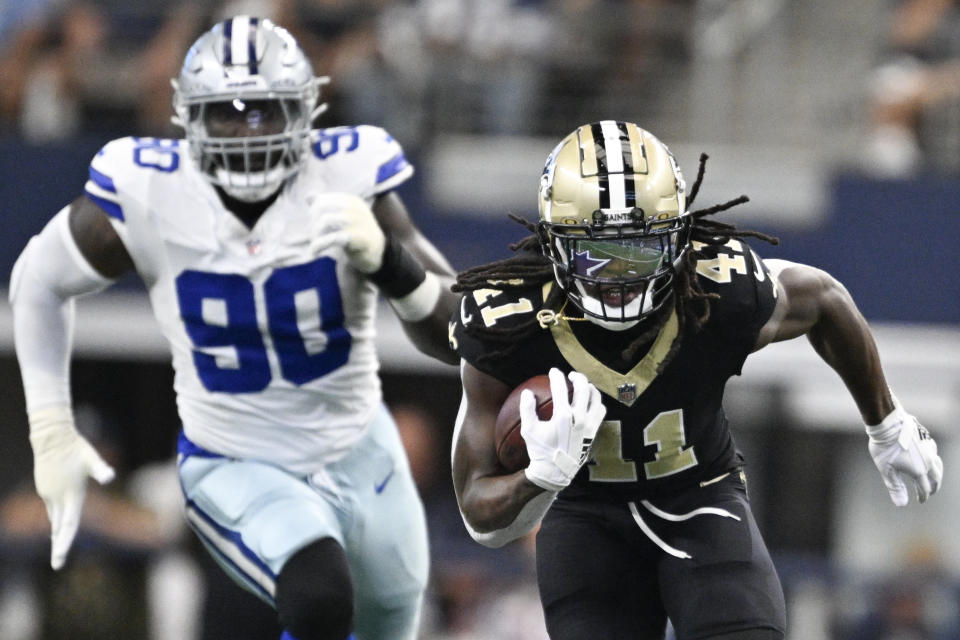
x=548, y=317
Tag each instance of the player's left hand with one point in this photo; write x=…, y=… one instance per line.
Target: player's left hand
x=904, y=451
x=345, y=220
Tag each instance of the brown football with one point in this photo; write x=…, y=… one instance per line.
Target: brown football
x=511, y=449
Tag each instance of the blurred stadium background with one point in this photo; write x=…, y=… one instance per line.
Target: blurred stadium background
x=841, y=121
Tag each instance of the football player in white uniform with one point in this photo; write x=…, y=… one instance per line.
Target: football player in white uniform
x=263, y=245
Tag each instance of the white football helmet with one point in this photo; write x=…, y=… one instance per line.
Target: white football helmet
x=613, y=221
x=246, y=96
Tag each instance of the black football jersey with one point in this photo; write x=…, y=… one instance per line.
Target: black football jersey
x=665, y=426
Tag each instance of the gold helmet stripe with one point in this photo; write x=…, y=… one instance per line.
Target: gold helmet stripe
x=588, y=152
x=593, y=161
x=638, y=150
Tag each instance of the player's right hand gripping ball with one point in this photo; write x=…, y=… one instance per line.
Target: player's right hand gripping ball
x=559, y=446
x=511, y=448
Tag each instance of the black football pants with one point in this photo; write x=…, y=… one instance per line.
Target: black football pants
x=618, y=570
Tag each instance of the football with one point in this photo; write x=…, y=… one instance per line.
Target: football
x=511, y=449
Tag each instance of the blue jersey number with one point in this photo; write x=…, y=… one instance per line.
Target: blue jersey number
x=329, y=141
x=157, y=153
x=220, y=315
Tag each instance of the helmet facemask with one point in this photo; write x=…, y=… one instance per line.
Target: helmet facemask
x=248, y=146
x=617, y=274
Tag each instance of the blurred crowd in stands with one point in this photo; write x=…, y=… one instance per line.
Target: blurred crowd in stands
x=413, y=66
x=915, y=90
x=423, y=67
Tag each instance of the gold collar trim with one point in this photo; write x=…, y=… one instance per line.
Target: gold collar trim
x=625, y=387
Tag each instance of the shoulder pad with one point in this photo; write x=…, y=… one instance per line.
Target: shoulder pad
x=123, y=163
x=726, y=264
x=495, y=307
x=747, y=292
x=112, y=160
x=364, y=149
x=487, y=310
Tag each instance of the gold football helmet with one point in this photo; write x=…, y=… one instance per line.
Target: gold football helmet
x=613, y=221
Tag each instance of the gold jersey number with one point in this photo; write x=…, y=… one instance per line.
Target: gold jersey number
x=665, y=431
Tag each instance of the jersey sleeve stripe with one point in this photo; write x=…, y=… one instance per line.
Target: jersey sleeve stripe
x=102, y=180
x=111, y=208
x=392, y=172
x=103, y=192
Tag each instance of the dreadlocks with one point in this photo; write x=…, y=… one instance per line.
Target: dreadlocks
x=531, y=267
x=692, y=301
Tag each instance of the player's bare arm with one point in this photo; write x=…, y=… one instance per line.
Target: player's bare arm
x=97, y=239
x=393, y=216
x=500, y=506
x=488, y=499
x=813, y=303
x=429, y=334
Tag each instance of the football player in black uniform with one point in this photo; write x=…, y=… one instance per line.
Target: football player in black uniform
x=648, y=309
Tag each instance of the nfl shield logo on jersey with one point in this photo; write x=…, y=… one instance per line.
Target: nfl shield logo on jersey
x=627, y=393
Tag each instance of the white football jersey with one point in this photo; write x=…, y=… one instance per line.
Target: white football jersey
x=273, y=346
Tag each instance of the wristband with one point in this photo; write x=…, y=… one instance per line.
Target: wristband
x=399, y=273
x=419, y=303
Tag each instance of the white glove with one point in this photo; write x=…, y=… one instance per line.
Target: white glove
x=62, y=460
x=558, y=447
x=345, y=220
x=904, y=450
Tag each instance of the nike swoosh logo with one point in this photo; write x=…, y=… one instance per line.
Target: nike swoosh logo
x=380, y=486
